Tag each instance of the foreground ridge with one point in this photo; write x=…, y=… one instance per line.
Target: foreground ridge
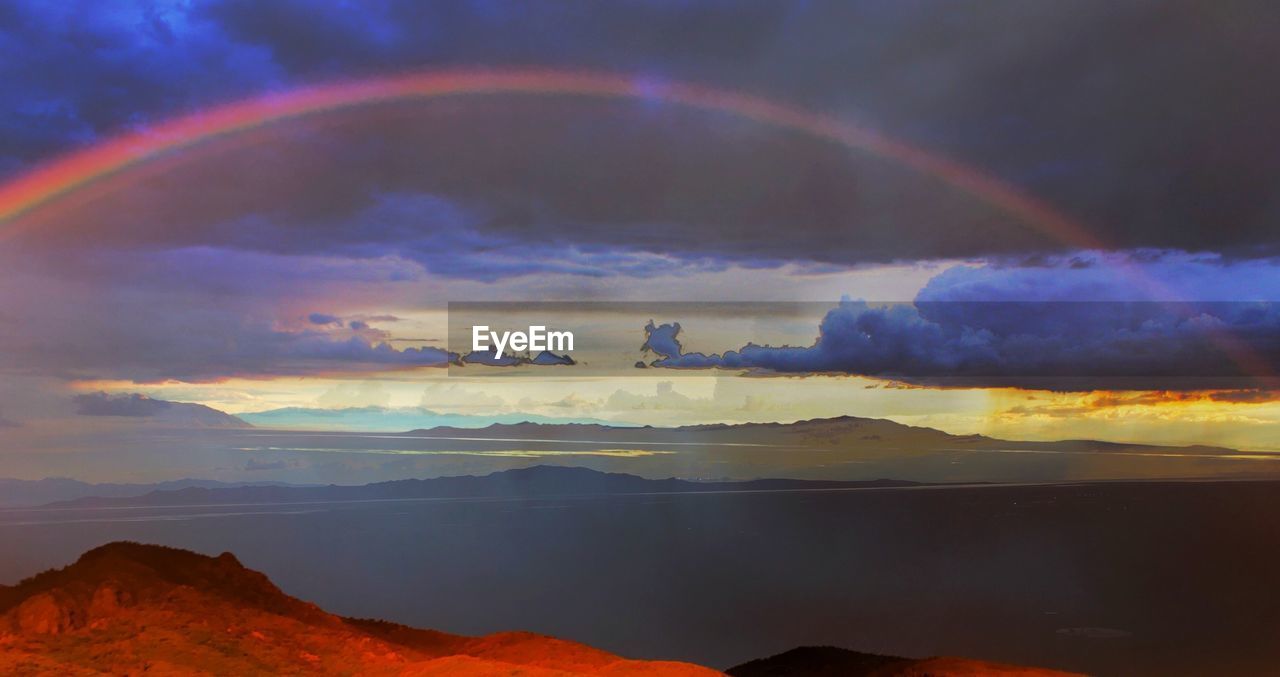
x=127, y=608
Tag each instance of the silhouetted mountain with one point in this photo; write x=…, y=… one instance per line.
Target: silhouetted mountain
x=523, y=482
x=782, y=446
x=140, y=407
x=126, y=608
x=15, y=493
x=841, y=431
x=830, y=661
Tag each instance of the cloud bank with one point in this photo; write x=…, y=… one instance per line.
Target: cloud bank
x=1138, y=152
x=1055, y=346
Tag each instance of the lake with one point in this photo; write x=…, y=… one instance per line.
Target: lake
x=1109, y=578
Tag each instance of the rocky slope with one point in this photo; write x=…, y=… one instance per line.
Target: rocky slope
x=128, y=608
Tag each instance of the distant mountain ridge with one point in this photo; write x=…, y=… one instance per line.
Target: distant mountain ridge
x=535, y=481
x=860, y=437
x=818, y=432
x=140, y=407
x=18, y=493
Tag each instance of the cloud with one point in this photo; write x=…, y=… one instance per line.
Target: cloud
x=285, y=347
x=1063, y=345
x=202, y=270
x=657, y=179
x=1107, y=400
x=57, y=60
x=1100, y=402
x=1245, y=396
x=1139, y=275
x=214, y=346
x=323, y=319
x=362, y=394
x=1080, y=321
x=545, y=358
x=665, y=397
x=452, y=397
x=391, y=228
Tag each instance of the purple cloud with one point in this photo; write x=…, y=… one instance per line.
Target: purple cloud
x=545, y=358
x=1071, y=322
x=1060, y=346
x=323, y=319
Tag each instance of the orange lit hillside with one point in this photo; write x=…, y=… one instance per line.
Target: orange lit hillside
x=128, y=608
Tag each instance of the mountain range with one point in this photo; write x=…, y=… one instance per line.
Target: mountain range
x=821, y=433
x=812, y=448
x=840, y=431
x=139, y=407
x=17, y=493
x=536, y=481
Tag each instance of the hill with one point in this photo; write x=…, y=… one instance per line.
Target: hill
x=16, y=493
x=141, y=408
x=127, y=608
x=829, y=661
x=844, y=432
x=519, y=483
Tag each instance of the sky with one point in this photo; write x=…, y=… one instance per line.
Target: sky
x=254, y=206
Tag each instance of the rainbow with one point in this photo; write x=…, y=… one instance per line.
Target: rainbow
x=47, y=183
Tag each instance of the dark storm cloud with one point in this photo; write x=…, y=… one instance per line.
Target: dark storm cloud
x=1126, y=276
x=1151, y=121
x=1062, y=323
x=545, y=358
x=1054, y=346
x=487, y=358
x=323, y=319
x=74, y=71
